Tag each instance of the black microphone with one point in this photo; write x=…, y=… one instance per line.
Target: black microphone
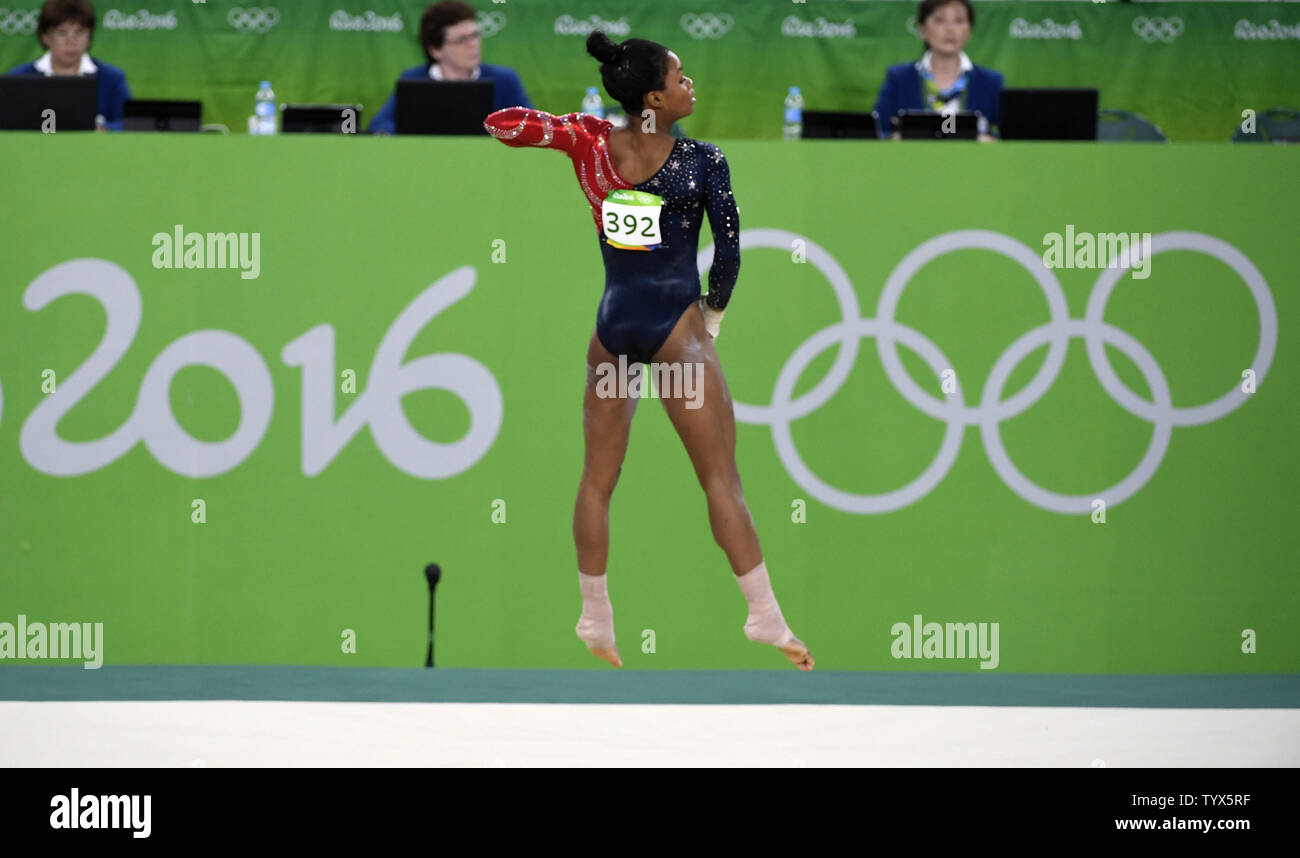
x=432, y=574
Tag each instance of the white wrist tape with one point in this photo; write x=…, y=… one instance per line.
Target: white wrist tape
x=712, y=319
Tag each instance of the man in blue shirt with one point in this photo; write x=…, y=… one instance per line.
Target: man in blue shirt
x=65, y=28
x=453, y=41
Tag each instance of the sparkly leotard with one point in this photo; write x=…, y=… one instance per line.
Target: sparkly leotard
x=645, y=293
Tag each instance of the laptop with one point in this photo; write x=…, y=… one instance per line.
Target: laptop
x=320, y=119
x=153, y=115
x=933, y=125
x=1049, y=114
x=837, y=125
x=443, y=107
x=25, y=98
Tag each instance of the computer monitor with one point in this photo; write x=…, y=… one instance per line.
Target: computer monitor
x=443, y=107
x=934, y=125
x=836, y=125
x=320, y=119
x=24, y=100
x=1049, y=114
x=154, y=115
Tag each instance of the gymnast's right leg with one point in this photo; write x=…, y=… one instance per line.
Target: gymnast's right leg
x=606, y=425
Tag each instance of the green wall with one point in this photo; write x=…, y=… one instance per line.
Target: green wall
x=353, y=232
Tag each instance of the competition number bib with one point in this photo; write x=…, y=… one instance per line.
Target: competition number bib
x=631, y=219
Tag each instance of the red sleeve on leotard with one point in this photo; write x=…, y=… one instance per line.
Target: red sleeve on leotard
x=579, y=135
x=521, y=126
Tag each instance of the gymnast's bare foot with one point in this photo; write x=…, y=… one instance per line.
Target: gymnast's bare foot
x=610, y=654
x=798, y=654
x=770, y=628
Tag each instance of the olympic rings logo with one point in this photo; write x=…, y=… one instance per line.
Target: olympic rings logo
x=18, y=22
x=253, y=19
x=491, y=23
x=707, y=25
x=992, y=409
x=1157, y=29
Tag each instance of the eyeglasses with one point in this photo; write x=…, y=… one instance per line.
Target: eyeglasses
x=468, y=37
x=78, y=35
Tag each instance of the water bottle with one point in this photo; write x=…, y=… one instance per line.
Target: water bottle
x=265, y=111
x=793, y=114
x=592, y=104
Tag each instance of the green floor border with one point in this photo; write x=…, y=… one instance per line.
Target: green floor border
x=458, y=685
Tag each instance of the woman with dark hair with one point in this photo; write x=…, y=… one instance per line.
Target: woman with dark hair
x=647, y=192
x=65, y=29
x=944, y=78
x=452, y=42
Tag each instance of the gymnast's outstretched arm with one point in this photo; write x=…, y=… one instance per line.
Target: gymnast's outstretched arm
x=520, y=126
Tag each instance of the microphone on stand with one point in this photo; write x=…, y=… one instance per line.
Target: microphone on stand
x=432, y=574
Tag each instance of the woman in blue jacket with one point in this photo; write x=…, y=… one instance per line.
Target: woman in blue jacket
x=65, y=28
x=943, y=78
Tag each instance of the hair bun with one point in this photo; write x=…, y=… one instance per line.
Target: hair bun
x=600, y=47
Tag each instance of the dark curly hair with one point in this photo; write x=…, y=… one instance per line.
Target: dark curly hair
x=630, y=69
x=56, y=12
x=438, y=17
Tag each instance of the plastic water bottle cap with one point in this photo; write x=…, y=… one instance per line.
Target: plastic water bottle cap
x=794, y=90
x=591, y=90
x=266, y=84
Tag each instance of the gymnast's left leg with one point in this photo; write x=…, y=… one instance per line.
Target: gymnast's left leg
x=705, y=420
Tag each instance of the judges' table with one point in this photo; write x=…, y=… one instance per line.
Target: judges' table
x=1190, y=67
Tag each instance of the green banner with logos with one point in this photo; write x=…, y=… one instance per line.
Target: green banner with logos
x=1192, y=68
x=250, y=388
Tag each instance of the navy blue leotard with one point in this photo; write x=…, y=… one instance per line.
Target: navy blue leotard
x=646, y=292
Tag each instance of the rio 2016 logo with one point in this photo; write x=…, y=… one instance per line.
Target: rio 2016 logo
x=323, y=436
